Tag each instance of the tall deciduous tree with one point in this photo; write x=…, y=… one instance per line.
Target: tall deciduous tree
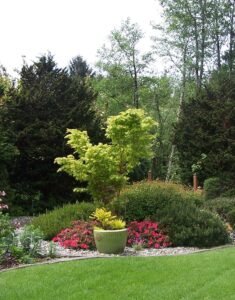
x=123, y=63
x=160, y=103
x=203, y=25
x=196, y=34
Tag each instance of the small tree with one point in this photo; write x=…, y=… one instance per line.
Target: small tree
x=105, y=167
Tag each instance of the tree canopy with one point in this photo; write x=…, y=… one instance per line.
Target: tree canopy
x=105, y=167
x=207, y=126
x=38, y=111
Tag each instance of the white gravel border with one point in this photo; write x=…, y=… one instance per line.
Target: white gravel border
x=99, y=255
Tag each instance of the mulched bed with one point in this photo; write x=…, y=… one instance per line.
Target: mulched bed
x=9, y=262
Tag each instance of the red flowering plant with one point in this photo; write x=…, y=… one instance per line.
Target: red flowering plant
x=147, y=234
x=78, y=236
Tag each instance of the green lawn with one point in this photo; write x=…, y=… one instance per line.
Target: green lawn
x=208, y=275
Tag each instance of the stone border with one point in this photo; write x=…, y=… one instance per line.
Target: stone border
x=67, y=259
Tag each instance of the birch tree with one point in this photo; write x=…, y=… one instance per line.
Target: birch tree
x=122, y=58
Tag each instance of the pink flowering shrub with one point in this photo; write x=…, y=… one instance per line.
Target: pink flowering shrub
x=79, y=236
x=147, y=234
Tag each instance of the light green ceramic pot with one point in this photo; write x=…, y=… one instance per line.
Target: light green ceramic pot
x=110, y=241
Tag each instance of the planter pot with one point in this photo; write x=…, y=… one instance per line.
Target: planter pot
x=110, y=241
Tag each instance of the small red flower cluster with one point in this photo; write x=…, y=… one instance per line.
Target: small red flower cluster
x=79, y=236
x=147, y=234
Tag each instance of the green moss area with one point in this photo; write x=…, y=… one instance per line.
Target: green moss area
x=207, y=275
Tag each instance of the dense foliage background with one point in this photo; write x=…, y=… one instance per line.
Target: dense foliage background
x=192, y=102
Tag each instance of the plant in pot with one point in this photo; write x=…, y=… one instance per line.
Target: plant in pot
x=110, y=235
x=105, y=167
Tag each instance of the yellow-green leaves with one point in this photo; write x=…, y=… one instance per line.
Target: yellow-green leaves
x=106, y=220
x=105, y=167
x=132, y=135
x=78, y=140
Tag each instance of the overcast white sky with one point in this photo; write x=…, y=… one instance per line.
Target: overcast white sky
x=66, y=28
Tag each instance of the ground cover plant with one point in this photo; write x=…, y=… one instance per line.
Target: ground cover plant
x=17, y=249
x=206, y=275
x=146, y=234
x=22, y=248
x=78, y=236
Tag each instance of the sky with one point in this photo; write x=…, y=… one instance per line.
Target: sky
x=66, y=28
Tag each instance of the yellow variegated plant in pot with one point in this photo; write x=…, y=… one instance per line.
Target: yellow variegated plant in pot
x=110, y=235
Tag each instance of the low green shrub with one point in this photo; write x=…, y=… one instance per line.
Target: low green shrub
x=224, y=207
x=176, y=209
x=231, y=217
x=188, y=226
x=141, y=200
x=230, y=193
x=212, y=187
x=219, y=187
x=54, y=221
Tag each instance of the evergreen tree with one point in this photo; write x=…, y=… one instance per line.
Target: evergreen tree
x=207, y=125
x=8, y=151
x=47, y=101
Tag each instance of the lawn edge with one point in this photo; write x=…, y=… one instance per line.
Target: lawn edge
x=68, y=259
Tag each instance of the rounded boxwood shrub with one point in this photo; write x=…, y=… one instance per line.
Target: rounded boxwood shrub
x=177, y=211
x=141, y=200
x=54, y=221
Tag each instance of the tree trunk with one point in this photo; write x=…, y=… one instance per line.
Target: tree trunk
x=231, y=37
x=217, y=36
x=182, y=96
x=160, y=135
x=203, y=38
x=135, y=85
x=171, y=157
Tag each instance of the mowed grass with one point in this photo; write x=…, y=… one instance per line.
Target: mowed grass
x=208, y=275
